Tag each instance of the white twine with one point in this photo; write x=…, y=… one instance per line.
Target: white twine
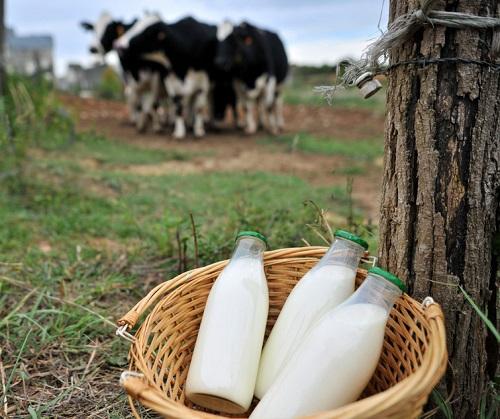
x=398, y=32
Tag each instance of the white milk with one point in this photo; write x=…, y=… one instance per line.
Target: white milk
x=320, y=290
x=226, y=356
x=331, y=367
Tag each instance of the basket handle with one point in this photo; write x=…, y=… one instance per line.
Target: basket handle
x=432, y=309
x=138, y=389
x=435, y=317
x=129, y=320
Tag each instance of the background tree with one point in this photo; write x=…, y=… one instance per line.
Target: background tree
x=2, y=48
x=440, y=204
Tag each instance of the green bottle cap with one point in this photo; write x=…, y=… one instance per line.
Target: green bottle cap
x=252, y=234
x=352, y=237
x=390, y=277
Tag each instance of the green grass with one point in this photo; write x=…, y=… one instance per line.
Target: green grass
x=353, y=149
x=351, y=170
x=81, y=244
x=115, y=152
x=149, y=207
x=299, y=91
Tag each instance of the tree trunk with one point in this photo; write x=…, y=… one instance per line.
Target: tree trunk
x=2, y=49
x=440, y=204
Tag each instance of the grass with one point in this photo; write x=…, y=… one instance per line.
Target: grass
x=115, y=152
x=81, y=244
x=353, y=149
x=149, y=207
x=351, y=170
x=299, y=91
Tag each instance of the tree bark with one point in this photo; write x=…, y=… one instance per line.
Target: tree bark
x=440, y=199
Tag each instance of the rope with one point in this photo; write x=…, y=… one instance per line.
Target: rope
x=424, y=62
x=400, y=31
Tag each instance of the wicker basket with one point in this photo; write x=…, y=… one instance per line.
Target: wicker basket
x=413, y=358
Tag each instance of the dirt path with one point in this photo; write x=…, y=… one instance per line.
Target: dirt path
x=232, y=151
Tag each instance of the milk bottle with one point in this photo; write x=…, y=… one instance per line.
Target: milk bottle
x=338, y=356
x=324, y=287
x=226, y=356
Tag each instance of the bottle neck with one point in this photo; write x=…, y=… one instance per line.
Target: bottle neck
x=249, y=247
x=376, y=290
x=343, y=252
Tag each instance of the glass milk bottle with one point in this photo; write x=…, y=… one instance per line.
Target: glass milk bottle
x=338, y=356
x=226, y=356
x=324, y=287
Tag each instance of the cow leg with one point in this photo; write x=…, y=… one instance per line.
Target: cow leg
x=240, y=109
x=145, y=97
x=175, y=90
x=179, y=125
x=270, y=105
x=157, y=117
x=251, y=100
x=272, y=118
x=133, y=103
x=263, y=114
x=163, y=104
x=155, y=108
x=141, y=120
x=273, y=124
x=251, y=124
x=280, y=121
x=171, y=111
x=254, y=96
x=214, y=109
x=200, y=103
x=163, y=114
x=167, y=111
x=148, y=111
x=196, y=89
x=239, y=112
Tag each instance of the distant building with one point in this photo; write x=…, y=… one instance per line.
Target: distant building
x=29, y=55
x=82, y=79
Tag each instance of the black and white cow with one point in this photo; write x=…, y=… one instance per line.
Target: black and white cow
x=189, y=46
x=257, y=60
x=143, y=75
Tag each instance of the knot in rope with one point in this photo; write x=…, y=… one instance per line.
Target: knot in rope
x=422, y=16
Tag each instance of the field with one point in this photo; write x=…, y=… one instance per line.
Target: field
x=97, y=218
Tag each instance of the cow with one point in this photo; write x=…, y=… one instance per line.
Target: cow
x=142, y=74
x=190, y=47
x=257, y=61
x=222, y=98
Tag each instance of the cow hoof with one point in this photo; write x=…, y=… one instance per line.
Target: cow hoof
x=179, y=135
x=274, y=130
x=141, y=125
x=251, y=131
x=199, y=134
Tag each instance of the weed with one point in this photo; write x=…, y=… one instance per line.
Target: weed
x=356, y=150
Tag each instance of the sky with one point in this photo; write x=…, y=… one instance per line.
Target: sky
x=314, y=32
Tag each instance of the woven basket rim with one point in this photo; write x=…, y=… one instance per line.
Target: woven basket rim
x=415, y=385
